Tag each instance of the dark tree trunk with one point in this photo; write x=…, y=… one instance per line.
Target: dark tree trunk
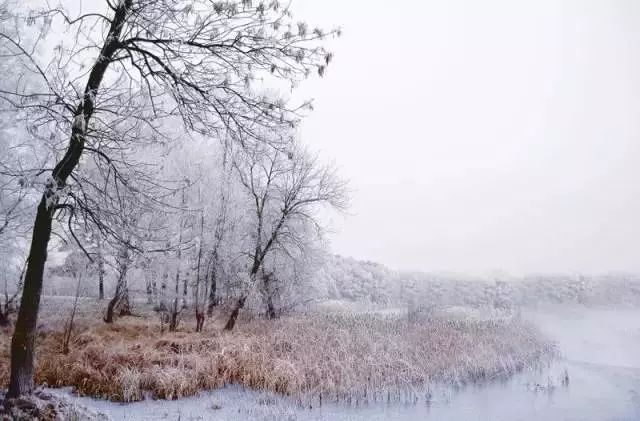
x=149, y=290
x=268, y=280
x=199, y=301
x=24, y=334
x=154, y=289
x=213, y=299
x=120, y=300
x=100, y=270
x=119, y=305
x=199, y=320
x=108, y=316
x=231, y=323
x=101, y=281
x=124, y=306
x=271, y=310
x=175, y=313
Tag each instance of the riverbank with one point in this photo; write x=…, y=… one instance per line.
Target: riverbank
x=597, y=378
x=312, y=358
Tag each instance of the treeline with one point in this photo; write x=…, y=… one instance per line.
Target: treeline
x=160, y=137
x=350, y=280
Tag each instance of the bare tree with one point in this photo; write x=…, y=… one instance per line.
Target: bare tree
x=221, y=227
x=288, y=272
x=100, y=264
x=269, y=291
x=120, y=301
x=199, y=300
x=178, y=305
x=286, y=188
x=11, y=205
x=17, y=159
x=195, y=61
x=12, y=223
x=77, y=268
x=8, y=306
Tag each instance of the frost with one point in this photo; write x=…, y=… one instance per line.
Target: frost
x=52, y=192
x=79, y=123
x=111, y=38
x=92, y=96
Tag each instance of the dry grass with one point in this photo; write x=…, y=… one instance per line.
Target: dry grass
x=330, y=357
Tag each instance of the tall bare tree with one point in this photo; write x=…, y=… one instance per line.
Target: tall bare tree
x=221, y=227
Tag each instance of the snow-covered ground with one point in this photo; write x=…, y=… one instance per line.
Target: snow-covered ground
x=600, y=358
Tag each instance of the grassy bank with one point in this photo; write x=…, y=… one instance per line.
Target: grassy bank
x=321, y=356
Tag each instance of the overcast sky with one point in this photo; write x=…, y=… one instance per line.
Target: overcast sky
x=484, y=135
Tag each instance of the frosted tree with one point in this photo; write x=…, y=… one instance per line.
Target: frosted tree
x=132, y=69
x=120, y=302
x=14, y=224
x=221, y=228
x=21, y=173
x=288, y=275
x=285, y=189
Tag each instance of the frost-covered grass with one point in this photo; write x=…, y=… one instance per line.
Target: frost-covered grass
x=335, y=357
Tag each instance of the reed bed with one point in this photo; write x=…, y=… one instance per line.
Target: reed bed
x=313, y=357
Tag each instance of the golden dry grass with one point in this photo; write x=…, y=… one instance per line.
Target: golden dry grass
x=330, y=357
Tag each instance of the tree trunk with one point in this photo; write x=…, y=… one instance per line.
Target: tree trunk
x=149, y=289
x=271, y=310
x=213, y=299
x=101, y=280
x=268, y=292
x=175, y=313
x=118, y=304
x=124, y=306
x=199, y=301
x=100, y=270
x=108, y=316
x=154, y=289
x=231, y=323
x=121, y=295
x=199, y=320
x=24, y=334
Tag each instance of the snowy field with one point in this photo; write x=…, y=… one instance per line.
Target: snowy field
x=597, y=378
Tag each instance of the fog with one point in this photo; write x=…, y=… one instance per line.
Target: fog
x=483, y=136
x=163, y=210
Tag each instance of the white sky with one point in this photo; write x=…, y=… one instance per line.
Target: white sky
x=484, y=135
